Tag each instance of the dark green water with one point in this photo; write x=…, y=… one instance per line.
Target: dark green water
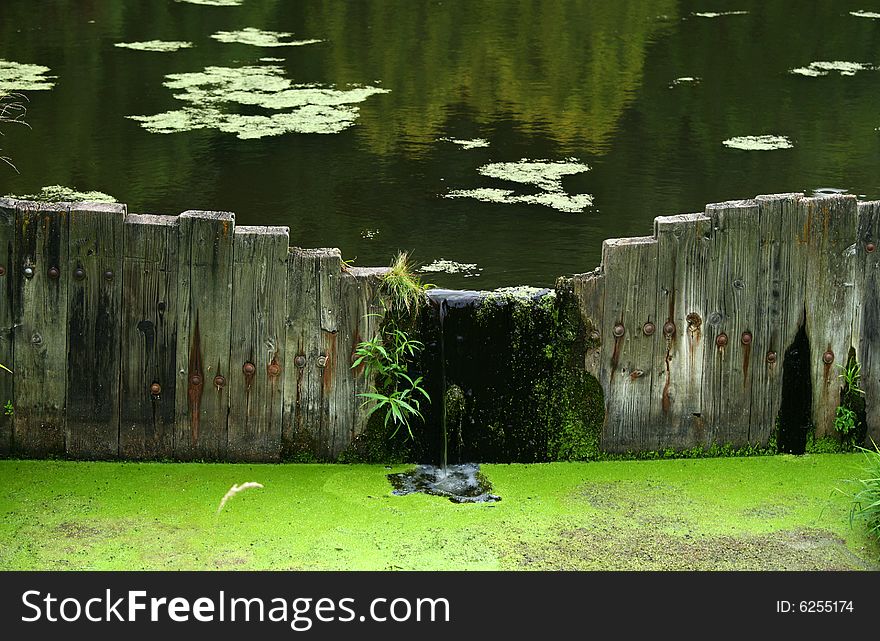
x=536, y=79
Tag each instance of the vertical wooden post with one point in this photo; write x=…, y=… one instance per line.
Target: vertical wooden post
x=149, y=337
x=7, y=319
x=204, y=297
x=630, y=267
x=94, y=280
x=868, y=307
x=590, y=291
x=679, y=348
x=259, y=288
x=730, y=289
x=829, y=233
x=40, y=343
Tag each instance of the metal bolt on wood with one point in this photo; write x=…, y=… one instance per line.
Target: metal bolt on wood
x=195, y=379
x=53, y=273
x=771, y=357
x=248, y=368
x=2, y=270
x=746, y=338
x=721, y=340
x=870, y=247
x=648, y=328
x=300, y=361
x=828, y=357
x=79, y=273
x=274, y=369
x=669, y=329
x=619, y=330
x=28, y=272
x=108, y=275
x=155, y=389
x=219, y=381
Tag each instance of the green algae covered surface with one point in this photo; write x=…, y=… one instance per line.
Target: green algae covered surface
x=779, y=513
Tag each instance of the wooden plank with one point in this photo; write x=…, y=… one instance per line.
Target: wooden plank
x=94, y=276
x=149, y=337
x=676, y=398
x=589, y=289
x=868, y=309
x=630, y=268
x=779, y=307
x=7, y=319
x=730, y=295
x=204, y=296
x=259, y=287
x=829, y=233
x=40, y=342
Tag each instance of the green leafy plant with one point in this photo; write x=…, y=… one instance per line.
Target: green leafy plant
x=8, y=409
x=851, y=375
x=845, y=420
x=866, y=497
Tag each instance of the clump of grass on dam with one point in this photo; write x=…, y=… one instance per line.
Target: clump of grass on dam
x=775, y=512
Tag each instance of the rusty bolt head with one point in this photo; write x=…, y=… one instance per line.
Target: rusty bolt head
x=746, y=338
x=771, y=357
x=155, y=388
x=648, y=328
x=828, y=357
x=248, y=368
x=870, y=247
x=108, y=275
x=53, y=273
x=219, y=381
x=619, y=330
x=322, y=361
x=2, y=270
x=28, y=272
x=195, y=379
x=79, y=273
x=721, y=340
x=300, y=361
x=274, y=369
x=669, y=329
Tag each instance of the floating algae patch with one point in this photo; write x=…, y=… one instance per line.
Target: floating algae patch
x=718, y=14
x=61, y=194
x=214, y=3
x=823, y=68
x=17, y=76
x=684, y=80
x=459, y=483
x=758, y=143
x=865, y=14
x=269, y=59
x=160, y=46
x=472, y=143
x=260, y=38
x=546, y=175
x=291, y=108
x=451, y=267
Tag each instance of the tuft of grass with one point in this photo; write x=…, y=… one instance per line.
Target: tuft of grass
x=866, y=498
x=405, y=289
x=12, y=110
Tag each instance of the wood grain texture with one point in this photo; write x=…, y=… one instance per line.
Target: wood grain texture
x=40, y=342
x=589, y=288
x=259, y=288
x=868, y=311
x=829, y=233
x=149, y=331
x=204, y=297
x=676, y=397
x=7, y=319
x=730, y=294
x=93, y=347
x=630, y=268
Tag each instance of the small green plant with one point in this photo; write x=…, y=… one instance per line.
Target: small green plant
x=851, y=375
x=845, y=420
x=8, y=409
x=866, y=497
x=401, y=284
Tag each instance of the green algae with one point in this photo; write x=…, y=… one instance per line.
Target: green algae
x=214, y=3
x=823, y=68
x=17, y=76
x=260, y=38
x=468, y=270
x=758, y=143
x=161, y=46
x=59, y=193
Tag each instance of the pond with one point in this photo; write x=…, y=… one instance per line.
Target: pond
x=499, y=141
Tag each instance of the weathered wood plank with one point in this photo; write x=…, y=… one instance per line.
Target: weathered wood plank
x=676, y=398
x=630, y=268
x=149, y=337
x=259, y=287
x=204, y=296
x=779, y=307
x=7, y=319
x=868, y=308
x=94, y=274
x=40, y=342
x=730, y=290
x=829, y=233
x=589, y=289
x=305, y=408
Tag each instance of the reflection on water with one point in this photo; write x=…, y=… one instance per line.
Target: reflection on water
x=424, y=100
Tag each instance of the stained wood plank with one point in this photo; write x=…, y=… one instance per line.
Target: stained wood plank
x=829, y=233
x=259, y=286
x=868, y=309
x=40, y=342
x=730, y=290
x=630, y=268
x=149, y=331
x=676, y=398
x=779, y=307
x=204, y=295
x=7, y=319
x=589, y=288
x=94, y=275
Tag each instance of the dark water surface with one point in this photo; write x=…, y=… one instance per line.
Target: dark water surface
x=536, y=79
